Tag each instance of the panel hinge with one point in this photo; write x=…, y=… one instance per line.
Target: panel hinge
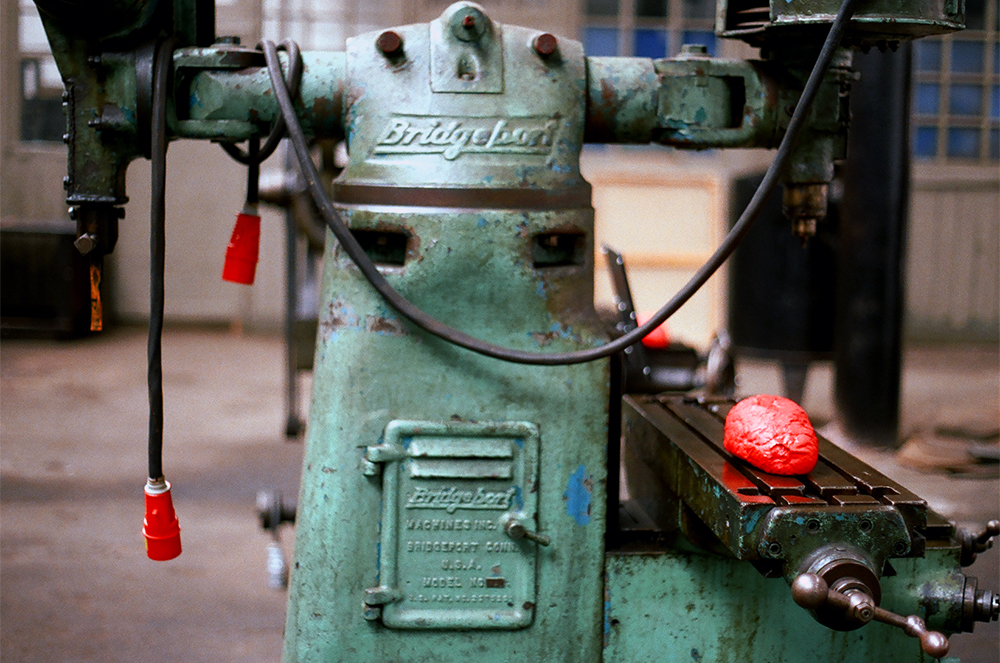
x=376, y=597
x=382, y=453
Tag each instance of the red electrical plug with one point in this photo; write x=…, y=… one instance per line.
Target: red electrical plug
x=160, y=527
x=659, y=338
x=244, y=246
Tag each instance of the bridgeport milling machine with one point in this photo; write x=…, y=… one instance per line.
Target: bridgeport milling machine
x=460, y=495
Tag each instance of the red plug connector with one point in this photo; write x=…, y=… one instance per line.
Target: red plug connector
x=160, y=527
x=659, y=338
x=244, y=246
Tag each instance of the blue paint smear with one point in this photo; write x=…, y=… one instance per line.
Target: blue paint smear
x=407, y=441
x=607, y=623
x=518, y=498
x=751, y=521
x=577, y=497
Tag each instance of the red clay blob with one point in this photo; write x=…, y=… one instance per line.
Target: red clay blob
x=772, y=434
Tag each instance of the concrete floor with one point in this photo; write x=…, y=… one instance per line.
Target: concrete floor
x=75, y=585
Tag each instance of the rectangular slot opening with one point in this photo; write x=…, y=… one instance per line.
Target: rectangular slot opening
x=384, y=247
x=560, y=249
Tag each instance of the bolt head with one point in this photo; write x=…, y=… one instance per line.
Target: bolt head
x=546, y=44
x=85, y=244
x=389, y=43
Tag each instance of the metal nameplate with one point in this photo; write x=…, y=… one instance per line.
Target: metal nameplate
x=453, y=137
x=445, y=552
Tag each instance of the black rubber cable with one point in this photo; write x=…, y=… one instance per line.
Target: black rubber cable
x=441, y=330
x=157, y=252
x=278, y=128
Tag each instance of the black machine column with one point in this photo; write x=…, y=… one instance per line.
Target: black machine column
x=871, y=250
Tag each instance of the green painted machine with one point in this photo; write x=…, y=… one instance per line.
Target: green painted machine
x=460, y=494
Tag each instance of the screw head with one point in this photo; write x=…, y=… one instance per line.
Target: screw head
x=545, y=44
x=469, y=23
x=389, y=43
x=85, y=243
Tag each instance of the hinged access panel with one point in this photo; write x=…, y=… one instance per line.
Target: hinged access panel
x=452, y=491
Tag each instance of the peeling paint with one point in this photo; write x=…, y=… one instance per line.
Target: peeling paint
x=577, y=496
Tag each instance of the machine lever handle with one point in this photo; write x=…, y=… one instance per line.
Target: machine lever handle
x=974, y=543
x=811, y=591
x=516, y=530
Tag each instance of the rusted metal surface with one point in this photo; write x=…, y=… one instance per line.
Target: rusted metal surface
x=876, y=23
x=845, y=502
x=485, y=186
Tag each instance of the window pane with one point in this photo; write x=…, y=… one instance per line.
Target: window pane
x=925, y=143
x=703, y=37
x=967, y=57
x=928, y=98
x=963, y=142
x=602, y=7
x=651, y=43
x=965, y=100
x=928, y=55
x=600, y=41
x=995, y=103
x=995, y=144
x=651, y=8
x=996, y=55
x=699, y=9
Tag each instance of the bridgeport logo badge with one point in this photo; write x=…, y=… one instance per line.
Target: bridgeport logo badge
x=453, y=137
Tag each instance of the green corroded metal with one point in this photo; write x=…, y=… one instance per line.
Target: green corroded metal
x=100, y=106
x=467, y=483
x=220, y=100
x=686, y=606
x=481, y=192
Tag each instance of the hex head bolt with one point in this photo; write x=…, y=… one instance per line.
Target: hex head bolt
x=810, y=591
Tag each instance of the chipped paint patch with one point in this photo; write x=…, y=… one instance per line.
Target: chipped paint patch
x=577, y=496
x=557, y=331
x=385, y=325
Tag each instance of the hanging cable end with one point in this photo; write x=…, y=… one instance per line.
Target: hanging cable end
x=160, y=526
x=241, y=254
